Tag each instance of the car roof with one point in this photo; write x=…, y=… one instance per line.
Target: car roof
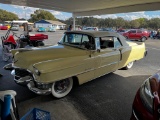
x=101, y=34
x=95, y=33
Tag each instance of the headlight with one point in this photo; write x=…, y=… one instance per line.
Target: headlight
x=37, y=71
x=146, y=95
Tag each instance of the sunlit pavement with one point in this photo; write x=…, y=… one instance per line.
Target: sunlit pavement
x=106, y=98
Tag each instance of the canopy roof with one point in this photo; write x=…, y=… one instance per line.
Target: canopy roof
x=90, y=7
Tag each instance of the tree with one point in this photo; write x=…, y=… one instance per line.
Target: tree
x=7, y=16
x=154, y=23
x=41, y=14
x=135, y=24
x=120, y=22
x=109, y=22
x=142, y=22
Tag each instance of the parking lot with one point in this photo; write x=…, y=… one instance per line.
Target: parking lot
x=109, y=97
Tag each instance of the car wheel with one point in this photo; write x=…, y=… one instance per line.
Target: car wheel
x=143, y=39
x=40, y=44
x=62, y=88
x=128, y=66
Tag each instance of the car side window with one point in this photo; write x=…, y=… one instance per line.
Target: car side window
x=117, y=43
x=139, y=31
x=79, y=40
x=88, y=42
x=133, y=31
x=106, y=42
x=73, y=39
x=85, y=38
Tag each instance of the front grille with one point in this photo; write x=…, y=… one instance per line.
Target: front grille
x=21, y=72
x=43, y=86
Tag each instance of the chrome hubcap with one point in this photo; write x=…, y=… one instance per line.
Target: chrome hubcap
x=61, y=86
x=130, y=65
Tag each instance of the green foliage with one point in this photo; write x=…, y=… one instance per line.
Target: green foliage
x=116, y=23
x=41, y=14
x=7, y=16
x=135, y=24
x=154, y=23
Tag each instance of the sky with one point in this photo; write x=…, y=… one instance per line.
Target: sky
x=24, y=12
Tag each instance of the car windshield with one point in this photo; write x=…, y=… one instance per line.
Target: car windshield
x=78, y=40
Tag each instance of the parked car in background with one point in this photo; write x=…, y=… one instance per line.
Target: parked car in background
x=3, y=27
x=146, y=105
x=79, y=57
x=107, y=29
x=41, y=29
x=91, y=28
x=15, y=28
x=9, y=26
x=121, y=31
x=51, y=29
x=137, y=34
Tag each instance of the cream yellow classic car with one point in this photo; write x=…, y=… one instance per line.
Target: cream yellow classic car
x=80, y=56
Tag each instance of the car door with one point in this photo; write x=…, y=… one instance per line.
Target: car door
x=139, y=34
x=132, y=34
x=106, y=58
x=86, y=64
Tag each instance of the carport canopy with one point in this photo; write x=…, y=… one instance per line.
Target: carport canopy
x=90, y=7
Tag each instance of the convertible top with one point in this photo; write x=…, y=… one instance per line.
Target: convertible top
x=95, y=33
x=101, y=34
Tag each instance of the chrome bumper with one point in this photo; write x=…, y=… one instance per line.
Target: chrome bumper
x=28, y=80
x=8, y=67
x=22, y=80
x=32, y=87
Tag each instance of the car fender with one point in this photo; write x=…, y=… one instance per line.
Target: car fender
x=57, y=69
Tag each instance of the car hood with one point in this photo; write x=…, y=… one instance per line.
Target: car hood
x=24, y=58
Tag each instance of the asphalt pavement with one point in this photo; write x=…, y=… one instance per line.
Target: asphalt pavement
x=109, y=97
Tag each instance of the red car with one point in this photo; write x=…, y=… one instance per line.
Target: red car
x=3, y=28
x=146, y=105
x=137, y=34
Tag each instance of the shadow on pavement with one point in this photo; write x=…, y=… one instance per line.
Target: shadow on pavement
x=107, y=98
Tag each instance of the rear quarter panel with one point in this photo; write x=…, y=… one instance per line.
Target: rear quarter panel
x=137, y=51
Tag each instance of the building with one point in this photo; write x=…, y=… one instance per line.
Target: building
x=48, y=23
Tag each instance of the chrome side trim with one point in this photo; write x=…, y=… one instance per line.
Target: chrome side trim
x=135, y=115
x=32, y=87
x=108, y=64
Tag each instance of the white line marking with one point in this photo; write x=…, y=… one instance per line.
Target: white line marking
x=153, y=48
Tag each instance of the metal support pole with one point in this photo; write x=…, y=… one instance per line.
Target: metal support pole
x=74, y=21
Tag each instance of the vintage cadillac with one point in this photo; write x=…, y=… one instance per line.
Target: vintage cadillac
x=80, y=56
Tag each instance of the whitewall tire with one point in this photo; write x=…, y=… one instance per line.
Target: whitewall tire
x=128, y=66
x=62, y=88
